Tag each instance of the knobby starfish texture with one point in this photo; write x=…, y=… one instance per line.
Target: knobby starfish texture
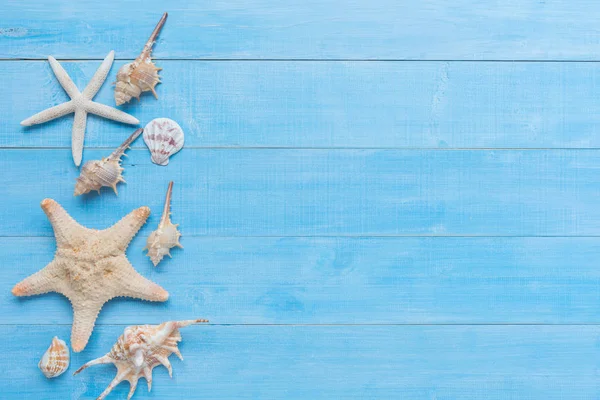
x=81, y=104
x=90, y=268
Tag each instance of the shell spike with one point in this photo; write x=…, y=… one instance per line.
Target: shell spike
x=118, y=379
x=102, y=360
x=116, y=155
x=152, y=39
x=133, y=386
x=148, y=376
x=182, y=324
x=167, y=207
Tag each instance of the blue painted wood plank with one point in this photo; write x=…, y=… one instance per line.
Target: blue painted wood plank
x=300, y=29
x=319, y=362
x=275, y=192
x=340, y=281
x=336, y=104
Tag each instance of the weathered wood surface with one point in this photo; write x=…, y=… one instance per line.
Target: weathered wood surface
x=328, y=104
x=300, y=29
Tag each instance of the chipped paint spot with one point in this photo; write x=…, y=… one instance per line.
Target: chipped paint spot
x=13, y=32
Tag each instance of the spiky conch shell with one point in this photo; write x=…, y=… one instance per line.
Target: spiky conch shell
x=106, y=172
x=139, y=349
x=164, y=137
x=166, y=236
x=56, y=359
x=141, y=75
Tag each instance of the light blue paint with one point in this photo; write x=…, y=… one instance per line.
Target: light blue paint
x=324, y=192
x=423, y=229
x=301, y=29
x=331, y=104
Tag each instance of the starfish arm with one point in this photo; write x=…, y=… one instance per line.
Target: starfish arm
x=63, y=78
x=78, y=135
x=110, y=113
x=85, y=312
x=44, y=281
x=121, y=233
x=66, y=230
x=99, y=77
x=129, y=283
x=50, y=114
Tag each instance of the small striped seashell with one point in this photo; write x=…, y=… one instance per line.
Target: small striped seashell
x=164, y=137
x=141, y=75
x=166, y=236
x=106, y=172
x=138, y=350
x=56, y=359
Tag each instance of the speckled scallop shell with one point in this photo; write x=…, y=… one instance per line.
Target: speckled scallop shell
x=106, y=172
x=138, y=350
x=166, y=236
x=56, y=359
x=141, y=75
x=164, y=137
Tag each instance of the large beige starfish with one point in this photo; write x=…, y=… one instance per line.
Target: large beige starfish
x=81, y=104
x=90, y=268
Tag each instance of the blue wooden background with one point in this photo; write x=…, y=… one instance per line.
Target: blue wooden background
x=378, y=198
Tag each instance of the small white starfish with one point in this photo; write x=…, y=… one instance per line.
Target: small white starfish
x=81, y=104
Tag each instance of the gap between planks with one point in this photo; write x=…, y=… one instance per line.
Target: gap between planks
x=355, y=325
x=358, y=236
x=323, y=148
x=315, y=60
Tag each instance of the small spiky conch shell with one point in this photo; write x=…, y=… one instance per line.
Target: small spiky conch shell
x=166, y=236
x=164, y=137
x=106, y=172
x=139, y=349
x=56, y=359
x=141, y=75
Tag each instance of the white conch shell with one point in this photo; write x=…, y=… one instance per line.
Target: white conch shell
x=106, y=172
x=164, y=137
x=56, y=359
x=141, y=75
x=166, y=236
x=139, y=349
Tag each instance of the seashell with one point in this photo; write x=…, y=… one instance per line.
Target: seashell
x=164, y=137
x=106, y=172
x=141, y=75
x=138, y=350
x=55, y=360
x=166, y=236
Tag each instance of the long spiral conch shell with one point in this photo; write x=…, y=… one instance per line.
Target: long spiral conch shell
x=138, y=350
x=141, y=75
x=106, y=172
x=166, y=236
x=56, y=359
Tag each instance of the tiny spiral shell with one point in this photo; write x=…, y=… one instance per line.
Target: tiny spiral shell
x=56, y=359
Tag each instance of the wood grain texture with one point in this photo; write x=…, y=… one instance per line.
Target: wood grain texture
x=340, y=281
x=300, y=29
x=273, y=192
x=329, y=105
x=374, y=203
x=297, y=362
